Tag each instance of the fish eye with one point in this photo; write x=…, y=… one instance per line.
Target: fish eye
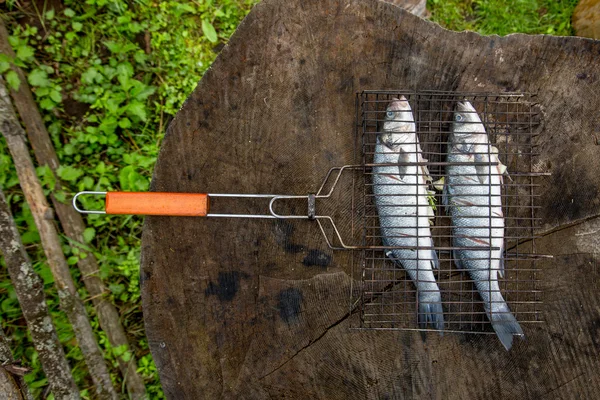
x=390, y=114
x=458, y=117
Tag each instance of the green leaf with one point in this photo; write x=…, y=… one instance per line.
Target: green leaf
x=126, y=356
x=124, y=177
x=125, y=123
x=38, y=78
x=141, y=92
x=13, y=80
x=72, y=260
x=77, y=26
x=125, y=69
x=182, y=8
x=47, y=104
x=30, y=237
x=87, y=182
x=209, y=31
x=46, y=176
x=24, y=52
x=69, y=173
x=137, y=109
x=50, y=14
x=101, y=167
x=55, y=96
x=116, y=288
x=4, y=65
x=89, y=75
x=69, y=13
x=107, y=126
x=89, y=234
x=60, y=196
x=69, y=149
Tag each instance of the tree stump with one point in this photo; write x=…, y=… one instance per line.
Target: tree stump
x=246, y=308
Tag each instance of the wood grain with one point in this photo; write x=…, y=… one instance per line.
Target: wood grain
x=260, y=309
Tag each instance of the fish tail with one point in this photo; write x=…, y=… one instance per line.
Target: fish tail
x=431, y=312
x=506, y=326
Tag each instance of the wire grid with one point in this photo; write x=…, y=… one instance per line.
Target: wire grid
x=387, y=298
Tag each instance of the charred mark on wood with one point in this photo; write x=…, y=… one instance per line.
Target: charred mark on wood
x=317, y=258
x=227, y=286
x=289, y=305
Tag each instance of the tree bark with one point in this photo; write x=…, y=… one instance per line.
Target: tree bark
x=12, y=385
x=30, y=292
x=72, y=224
x=42, y=215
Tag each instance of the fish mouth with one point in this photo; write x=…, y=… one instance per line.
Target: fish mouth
x=399, y=104
x=464, y=106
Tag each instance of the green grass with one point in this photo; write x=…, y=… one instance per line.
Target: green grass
x=108, y=77
x=503, y=17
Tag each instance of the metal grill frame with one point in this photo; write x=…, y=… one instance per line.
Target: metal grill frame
x=386, y=295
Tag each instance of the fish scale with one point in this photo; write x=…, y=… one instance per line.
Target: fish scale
x=473, y=198
x=400, y=188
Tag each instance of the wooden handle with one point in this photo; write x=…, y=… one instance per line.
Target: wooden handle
x=157, y=203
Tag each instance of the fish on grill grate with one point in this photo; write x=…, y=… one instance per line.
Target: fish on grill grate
x=473, y=198
x=401, y=197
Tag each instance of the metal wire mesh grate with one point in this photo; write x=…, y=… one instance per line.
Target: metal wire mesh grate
x=388, y=295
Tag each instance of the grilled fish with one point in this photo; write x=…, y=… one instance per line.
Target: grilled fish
x=473, y=198
x=400, y=189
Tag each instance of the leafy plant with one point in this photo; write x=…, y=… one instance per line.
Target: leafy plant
x=502, y=17
x=108, y=76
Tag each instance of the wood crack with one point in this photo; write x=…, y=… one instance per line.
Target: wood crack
x=310, y=343
x=387, y=288
x=555, y=230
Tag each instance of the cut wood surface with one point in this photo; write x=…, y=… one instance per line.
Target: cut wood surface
x=240, y=308
x=73, y=224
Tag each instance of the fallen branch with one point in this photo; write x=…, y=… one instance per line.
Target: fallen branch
x=30, y=292
x=73, y=225
x=42, y=215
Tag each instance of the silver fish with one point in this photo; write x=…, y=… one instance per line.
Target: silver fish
x=401, y=198
x=473, y=197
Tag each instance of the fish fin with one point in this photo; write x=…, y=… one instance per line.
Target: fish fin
x=457, y=261
x=506, y=326
x=431, y=313
x=435, y=262
x=483, y=171
x=403, y=159
x=424, y=169
x=501, y=168
x=501, y=263
x=445, y=197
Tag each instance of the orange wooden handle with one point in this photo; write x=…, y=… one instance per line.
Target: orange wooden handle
x=157, y=203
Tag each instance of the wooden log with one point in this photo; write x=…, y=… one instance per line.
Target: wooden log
x=12, y=384
x=69, y=299
x=241, y=308
x=73, y=225
x=30, y=292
